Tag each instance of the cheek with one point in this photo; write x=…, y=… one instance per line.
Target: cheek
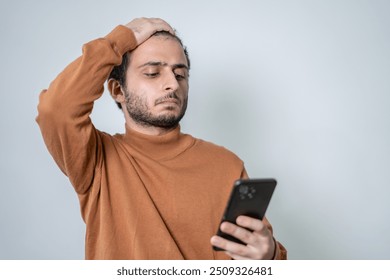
x=144, y=91
x=184, y=88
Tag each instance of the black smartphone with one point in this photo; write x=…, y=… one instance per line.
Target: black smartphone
x=249, y=197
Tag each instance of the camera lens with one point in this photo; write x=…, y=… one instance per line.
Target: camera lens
x=243, y=189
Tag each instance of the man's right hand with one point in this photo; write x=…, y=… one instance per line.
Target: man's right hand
x=143, y=28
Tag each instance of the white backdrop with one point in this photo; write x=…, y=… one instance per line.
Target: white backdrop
x=300, y=90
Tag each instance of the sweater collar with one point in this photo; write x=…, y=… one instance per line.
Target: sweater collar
x=161, y=147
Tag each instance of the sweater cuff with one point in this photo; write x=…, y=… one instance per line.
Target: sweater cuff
x=280, y=251
x=122, y=39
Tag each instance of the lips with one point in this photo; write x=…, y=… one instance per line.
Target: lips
x=169, y=98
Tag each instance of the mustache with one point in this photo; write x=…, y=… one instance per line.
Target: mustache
x=171, y=95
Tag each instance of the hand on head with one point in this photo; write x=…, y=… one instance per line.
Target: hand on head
x=143, y=28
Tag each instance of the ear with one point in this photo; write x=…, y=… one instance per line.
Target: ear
x=116, y=90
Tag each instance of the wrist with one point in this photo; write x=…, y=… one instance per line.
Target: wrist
x=122, y=39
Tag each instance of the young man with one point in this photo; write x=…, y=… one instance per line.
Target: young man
x=153, y=192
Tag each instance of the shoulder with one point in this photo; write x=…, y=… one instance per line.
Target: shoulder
x=216, y=152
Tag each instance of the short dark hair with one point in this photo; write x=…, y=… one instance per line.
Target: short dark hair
x=119, y=72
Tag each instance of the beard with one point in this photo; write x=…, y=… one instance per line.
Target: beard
x=139, y=111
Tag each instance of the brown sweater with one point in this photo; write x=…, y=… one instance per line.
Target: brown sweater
x=141, y=196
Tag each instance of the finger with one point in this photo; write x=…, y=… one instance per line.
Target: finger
x=162, y=25
x=236, y=257
x=230, y=246
x=252, y=224
x=238, y=232
x=143, y=28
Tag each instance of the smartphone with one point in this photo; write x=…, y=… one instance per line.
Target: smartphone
x=249, y=197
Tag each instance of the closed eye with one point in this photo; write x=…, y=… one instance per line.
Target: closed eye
x=151, y=75
x=180, y=74
x=179, y=77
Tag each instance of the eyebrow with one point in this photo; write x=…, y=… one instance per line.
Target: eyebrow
x=159, y=63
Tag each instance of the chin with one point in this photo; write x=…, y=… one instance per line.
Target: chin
x=168, y=115
x=170, y=110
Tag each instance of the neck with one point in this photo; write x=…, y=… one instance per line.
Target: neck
x=158, y=147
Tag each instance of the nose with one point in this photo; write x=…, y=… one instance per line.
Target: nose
x=170, y=82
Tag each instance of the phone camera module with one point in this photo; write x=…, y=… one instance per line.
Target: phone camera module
x=246, y=192
x=244, y=189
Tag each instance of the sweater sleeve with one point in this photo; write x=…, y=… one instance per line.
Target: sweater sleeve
x=64, y=108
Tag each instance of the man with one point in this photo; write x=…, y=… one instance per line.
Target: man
x=153, y=192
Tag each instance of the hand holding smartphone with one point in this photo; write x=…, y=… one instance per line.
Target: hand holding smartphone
x=249, y=197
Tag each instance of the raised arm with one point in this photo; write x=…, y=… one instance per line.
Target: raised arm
x=64, y=108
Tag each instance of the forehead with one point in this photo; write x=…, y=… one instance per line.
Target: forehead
x=160, y=48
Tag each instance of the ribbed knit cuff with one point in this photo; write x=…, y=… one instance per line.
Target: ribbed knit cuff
x=122, y=39
x=280, y=251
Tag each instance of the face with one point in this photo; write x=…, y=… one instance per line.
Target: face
x=156, y=89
